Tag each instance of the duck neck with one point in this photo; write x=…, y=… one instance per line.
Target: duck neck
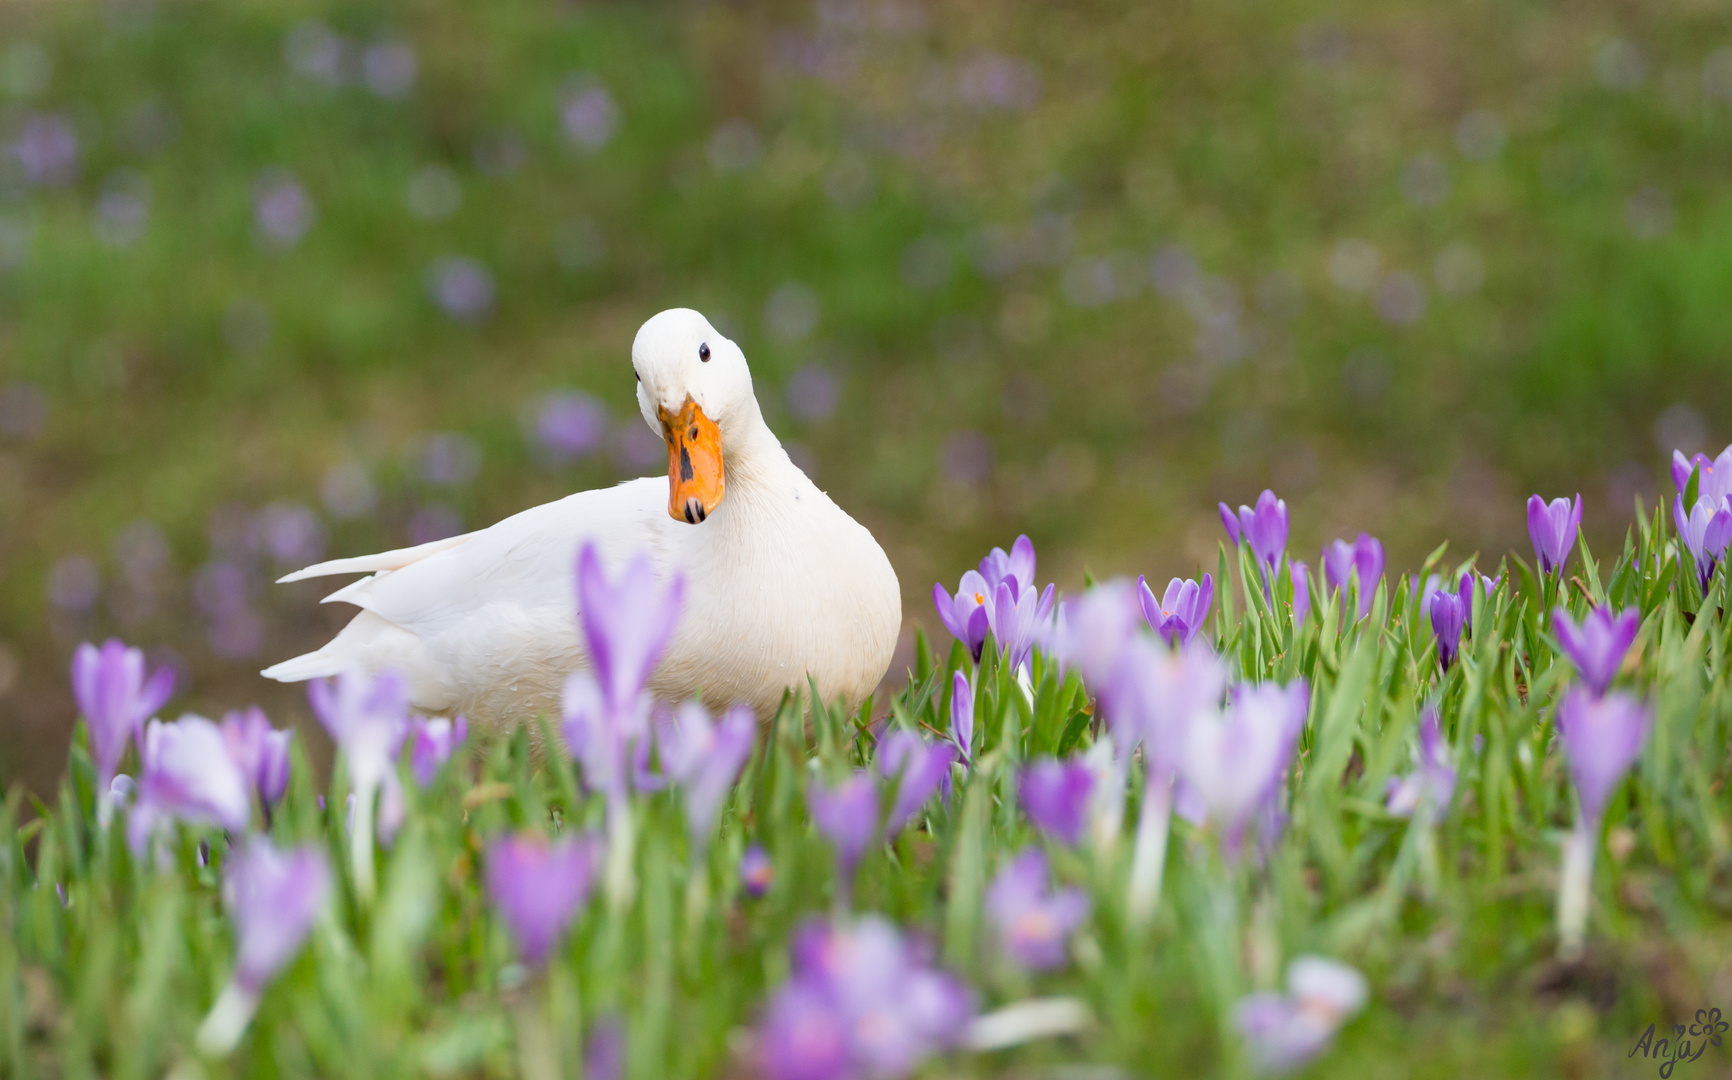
x=756, y=461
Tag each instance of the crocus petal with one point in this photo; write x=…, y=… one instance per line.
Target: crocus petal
x=1230, y=522
x=538, y=886
x=1602, y=738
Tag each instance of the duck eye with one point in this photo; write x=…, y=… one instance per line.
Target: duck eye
x=704, y=352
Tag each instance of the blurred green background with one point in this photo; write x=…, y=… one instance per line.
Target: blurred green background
x=288, y=280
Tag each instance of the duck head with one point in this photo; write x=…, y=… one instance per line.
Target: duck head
x=695, y=389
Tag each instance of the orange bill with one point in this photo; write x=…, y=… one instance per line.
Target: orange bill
x=695, y=479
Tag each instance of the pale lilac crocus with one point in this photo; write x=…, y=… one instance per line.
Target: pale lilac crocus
x=704, y=757
x=1181, y=611
x=116, y=696
x=1264, y=527
x=861, y=1002
x=1300, y=574
x=261, y=752
x=962, y=718
x=1706, y=531
x=1598, y=645
x=1091, y=631
x=1448, y=612
x=1602, y=737
x=1234, y=759
x=1230, y=522
x=1016, y=568
x=368, y=718
x=1287, y=1030
x=187, y=775
x=1055, y=795
x=756, y=871
x=1552, y=528
x=1713, y=484
x=273, y=898
x=1015, y=618
x=966, y=613
x=431, y=744
x=847, y=816
x=1362, y=561
x=1432, y=782
x=1033, y=921
x=917, y=769
x=538, y=886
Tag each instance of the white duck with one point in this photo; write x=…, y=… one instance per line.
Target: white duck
x=781, y=583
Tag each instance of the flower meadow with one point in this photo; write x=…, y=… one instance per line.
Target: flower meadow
x=1269, y=820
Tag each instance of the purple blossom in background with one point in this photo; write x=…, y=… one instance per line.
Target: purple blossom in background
x=1715, y=481
x=917, y=768
x=74, y=584
x=1233, y=760
x=1432, y=782
x=813, y=393
x=1055, y=796
x=704, y=758
x=571, y=425
x=46, y=150
x=1602, y=738
x=1093, y=630
x=290, y=533
x=1706, y=532
x=282, y=209
x=626, y=624
x=966, y=615
x=461, y=287
x=389, y=68
x=431, y=744
x=273, y=898
x=604, y=1050
x=116, y=697
x=861, y=1002
x=260, y=751
x=1598, y=645
x=538, y=886
x=1301, y=578
x=962, y=718
x=1265, y=529
x=435, y=521
x=1448, y=617
x=756, y=871
x=186, y=774
x=1033, y=921
x=588, y=113
x=847, y=815
x=1230, y=522
x=1363, y=560
x=1181, y=612
x=1287, y=1030
x=1465, y=589
x=1552, y=528
x=449, y=459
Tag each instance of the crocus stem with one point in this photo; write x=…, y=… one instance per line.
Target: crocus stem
x=697, y=899
x=1573, y=889
x=1149, y=858
x=227, y=1021
x=619, y=881
x=537, y=1058
x=361, y=847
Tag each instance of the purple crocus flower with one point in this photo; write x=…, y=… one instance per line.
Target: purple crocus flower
x=431, y=744
x=1015, y=618
x=260, y=751
x=1016, y=568
x=847, y=815
x=187, y=775
x=1465, y=589
x=368, y=717
x=1234, y=759
x=1230, y=522
x=1301, y=576
x=861, y=1003
x=962, y=718
x=1715, y=481
x=116, y=697
x=1552, y=528
x=1432, y=782
x=539, y=886
x=274, y=898
x=1602, y=737
x=1055, y=796
x=704, y=757
x=918, y=769
x=1265, y=529
x=1091, y=631
x=627, y=624
x=1287, y=1030
x=966, y=615
x=1362, y=559
x=756, y=870
x=1448, y=616
x=1598, y=645
x=1181, y=611
x=1706, y=531
x=1033, y=921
